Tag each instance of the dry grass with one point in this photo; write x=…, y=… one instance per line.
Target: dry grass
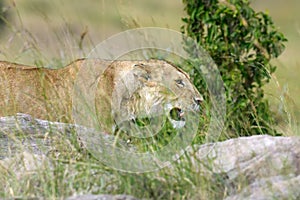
x=52, y=33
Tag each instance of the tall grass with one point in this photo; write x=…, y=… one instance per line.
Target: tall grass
x=68, y=169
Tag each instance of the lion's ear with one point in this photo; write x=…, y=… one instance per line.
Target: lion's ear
x=186, y=74
x=179, y=69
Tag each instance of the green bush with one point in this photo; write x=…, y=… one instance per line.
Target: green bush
x=242, y=43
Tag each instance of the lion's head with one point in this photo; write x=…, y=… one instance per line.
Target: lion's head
x=144, y=94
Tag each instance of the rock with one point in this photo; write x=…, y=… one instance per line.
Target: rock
x=22, y=132
x=276, y=187
x=27, y=148
x=256, y=167
x=24, y=162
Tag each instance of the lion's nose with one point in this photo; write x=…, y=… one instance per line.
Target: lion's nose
x=198, y=100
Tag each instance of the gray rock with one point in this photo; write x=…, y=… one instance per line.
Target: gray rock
x=275, y=187
x=22, y=132
x=256, y=167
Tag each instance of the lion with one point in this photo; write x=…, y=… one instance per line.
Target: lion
x=127, y=94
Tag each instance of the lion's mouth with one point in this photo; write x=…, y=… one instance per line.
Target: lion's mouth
x=177, y=114
x=154, y=122
x=177, y=117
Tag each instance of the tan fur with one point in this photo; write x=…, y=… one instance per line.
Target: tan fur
x=126, y=89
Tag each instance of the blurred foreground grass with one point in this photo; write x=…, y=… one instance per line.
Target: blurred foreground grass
x=55, y=32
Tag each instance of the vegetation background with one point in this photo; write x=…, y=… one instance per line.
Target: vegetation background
x=53, y=33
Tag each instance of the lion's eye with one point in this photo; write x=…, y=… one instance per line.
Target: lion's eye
x=180, y=82
x=139, y=64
